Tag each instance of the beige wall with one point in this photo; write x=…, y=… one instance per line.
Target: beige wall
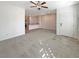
x=48, y=21
x=34, y=20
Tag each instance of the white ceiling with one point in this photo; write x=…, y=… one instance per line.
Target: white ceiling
x=52, y=5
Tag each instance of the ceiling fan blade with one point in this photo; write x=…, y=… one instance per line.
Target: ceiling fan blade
x=43, y=3
x=44, y=6
x=33, y=6
x=33, y=2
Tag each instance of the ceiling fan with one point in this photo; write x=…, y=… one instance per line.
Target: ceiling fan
x=38, y=5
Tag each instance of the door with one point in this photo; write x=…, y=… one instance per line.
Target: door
x=65, y=21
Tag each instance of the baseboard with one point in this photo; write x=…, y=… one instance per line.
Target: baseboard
x=6, y=38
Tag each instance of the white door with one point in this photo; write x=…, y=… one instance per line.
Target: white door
x=65, y=21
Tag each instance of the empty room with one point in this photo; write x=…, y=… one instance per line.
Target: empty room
x=39, y=29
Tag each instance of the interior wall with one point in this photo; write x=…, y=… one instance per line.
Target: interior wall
x=12, y=21
x=33, y=20
x=48, y=21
